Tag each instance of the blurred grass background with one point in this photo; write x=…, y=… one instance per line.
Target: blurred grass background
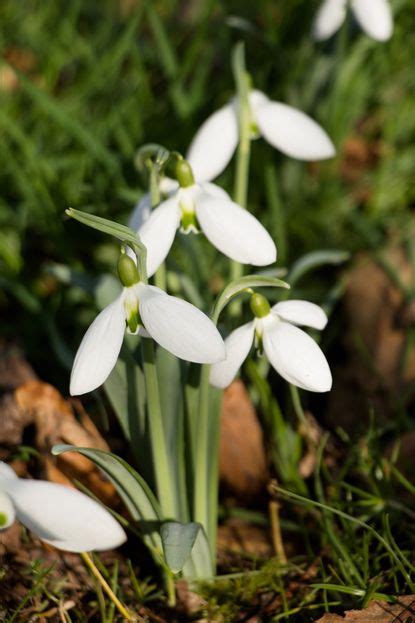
x=84, y=84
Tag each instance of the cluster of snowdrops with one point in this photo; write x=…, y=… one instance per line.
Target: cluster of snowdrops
x=184, y=199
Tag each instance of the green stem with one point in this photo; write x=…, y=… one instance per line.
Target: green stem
x=201, y=490
x=298, y=407
x=242, y=177
x=244, y=151
x=162, y=472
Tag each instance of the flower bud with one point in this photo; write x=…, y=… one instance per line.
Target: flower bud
x=127, y=270
x=259, y=305
x=184, y=173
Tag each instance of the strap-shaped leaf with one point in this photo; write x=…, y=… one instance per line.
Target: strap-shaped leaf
x=132, y=488
x=178, y=540
x=199, y=565
x=313, y=260
x=121, y=232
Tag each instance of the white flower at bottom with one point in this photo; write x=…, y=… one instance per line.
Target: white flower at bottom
x=206, y=207
x=291, y=351
x=175, y=324
x=59, y=515
x=374, y=16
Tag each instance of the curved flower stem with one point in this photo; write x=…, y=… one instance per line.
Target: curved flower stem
x=162, y=470
x=128, y=616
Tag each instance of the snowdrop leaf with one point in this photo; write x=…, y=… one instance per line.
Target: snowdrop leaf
x=313, y=260
x=199, y=564
x=243, y=285
x=375, y=17
x=178, y=540
x=131, y=487
x=301, y=313
x=158, y=232
x=125, y=388
x=295, y=355
x=293, y=132
x=235, y=231
x=121, y=232
x=63, y=517
x=7, y=512
x=237, y=344
x=99, y=349
x=180, y=327
x=329, y=18
x=214, y=144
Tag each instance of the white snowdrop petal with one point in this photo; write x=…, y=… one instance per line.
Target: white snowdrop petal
x=63, y=517
x=214, y=144
x=157, y=233
x=168, y=186
x=6, y=472
x=295, y=355
x=237, y=345
x=329, y=19
x=375, y=17
x=99, y=349
x=140, y=213
x=301, y=313
x=179, y=327
x=235, y=231
x=214, y=190
x=293, y=132
x=7, y=512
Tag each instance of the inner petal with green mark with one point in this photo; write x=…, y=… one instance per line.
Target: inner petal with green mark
x=132, y=313
x=188, y=219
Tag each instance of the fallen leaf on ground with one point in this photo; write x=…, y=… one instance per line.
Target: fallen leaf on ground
x=375, y=360
x=377, y=612
x=243, y=467
x=55, y=423
x=240, y=537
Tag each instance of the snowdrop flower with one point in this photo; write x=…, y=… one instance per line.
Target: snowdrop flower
x=59, y=515
x=291, y=351
x=374, y=16
x=205, y=207
x=284, y=127
x=176, y=325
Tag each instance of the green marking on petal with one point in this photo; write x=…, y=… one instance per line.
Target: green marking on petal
x=3, y=520
x=189, y=223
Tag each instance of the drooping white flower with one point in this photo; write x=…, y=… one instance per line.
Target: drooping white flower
x=374, y=17
x=291, y=351
x=59, y=515
x=284, y=127
x=173, y=323
x=206, y=207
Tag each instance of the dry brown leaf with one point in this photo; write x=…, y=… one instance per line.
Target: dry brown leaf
x=14, y=369
x=311, y=433
x=377, y=611
x=239, y=537
x=13, y=421
x=191, y=603
x=41, y=404
x=243, y=467
x=369, y=368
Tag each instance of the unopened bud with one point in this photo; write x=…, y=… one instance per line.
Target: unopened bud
x=259, y=305
x=127, y=270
